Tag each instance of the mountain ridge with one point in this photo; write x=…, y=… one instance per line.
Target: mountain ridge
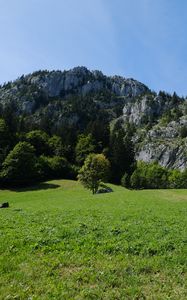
x=79, y=96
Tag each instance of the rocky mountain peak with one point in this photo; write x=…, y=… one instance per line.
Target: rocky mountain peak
x=83, y=81
x=77, y=96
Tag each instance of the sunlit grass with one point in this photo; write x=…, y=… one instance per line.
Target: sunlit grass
x=58, y=241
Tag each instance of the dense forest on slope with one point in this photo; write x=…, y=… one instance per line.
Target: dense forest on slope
x=50, y=122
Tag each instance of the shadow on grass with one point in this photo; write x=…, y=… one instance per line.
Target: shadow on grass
x=37, y=187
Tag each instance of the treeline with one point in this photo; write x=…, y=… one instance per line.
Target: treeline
x=154, y=176
x=28, y=157
x=37, y=155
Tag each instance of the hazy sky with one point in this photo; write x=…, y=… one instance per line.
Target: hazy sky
x=142, y=39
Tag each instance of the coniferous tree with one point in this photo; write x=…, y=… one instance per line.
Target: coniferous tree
x=122, y=155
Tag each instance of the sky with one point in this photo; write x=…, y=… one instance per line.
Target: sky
x=141, y=39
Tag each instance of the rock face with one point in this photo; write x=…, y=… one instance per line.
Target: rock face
x=127, y=87
x=58, y=98
x=146, y=108
x=158, y=137
x=29, y=92
x=84, y=81
x=166, y=145
x=171, y=155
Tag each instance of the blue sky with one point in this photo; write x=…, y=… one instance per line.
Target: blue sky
x=141, y=39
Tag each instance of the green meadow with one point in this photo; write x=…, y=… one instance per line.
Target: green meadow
x=58, y=241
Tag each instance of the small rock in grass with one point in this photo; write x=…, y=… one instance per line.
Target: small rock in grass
x=104, y=190
x=4, y=205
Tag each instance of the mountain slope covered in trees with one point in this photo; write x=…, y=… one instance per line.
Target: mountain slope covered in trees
x=72, y=113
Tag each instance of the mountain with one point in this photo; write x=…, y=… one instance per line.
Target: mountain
x=59, y=101
x=40, y=89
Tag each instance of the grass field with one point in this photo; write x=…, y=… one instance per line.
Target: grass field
x=58, y=241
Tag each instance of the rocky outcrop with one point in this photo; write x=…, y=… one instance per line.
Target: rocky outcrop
x=127, y=87
x=146, y=108
x=83, y=81
x=71, y=97
x=171, y=155
x=170, y=131
x=166, y=145
x=28, y=91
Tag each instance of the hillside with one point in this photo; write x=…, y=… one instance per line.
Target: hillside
x=57, y=241
x=72, y=101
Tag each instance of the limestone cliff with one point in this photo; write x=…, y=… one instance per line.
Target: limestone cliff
x=77, y=96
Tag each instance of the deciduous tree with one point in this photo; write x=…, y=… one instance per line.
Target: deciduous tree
x=95, y=169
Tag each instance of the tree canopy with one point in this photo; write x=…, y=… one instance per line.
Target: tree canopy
x=96, y=168
x=19, y=166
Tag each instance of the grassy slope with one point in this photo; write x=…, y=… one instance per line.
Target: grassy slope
x=61, y=242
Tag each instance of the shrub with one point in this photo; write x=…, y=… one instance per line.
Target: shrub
x=151, y=176
x=183, y=132
x=125, y=180
x=174, y=179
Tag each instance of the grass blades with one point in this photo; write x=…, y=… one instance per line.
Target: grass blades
x=58, y=241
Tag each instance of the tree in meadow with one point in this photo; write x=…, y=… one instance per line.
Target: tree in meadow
x=96, y=168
